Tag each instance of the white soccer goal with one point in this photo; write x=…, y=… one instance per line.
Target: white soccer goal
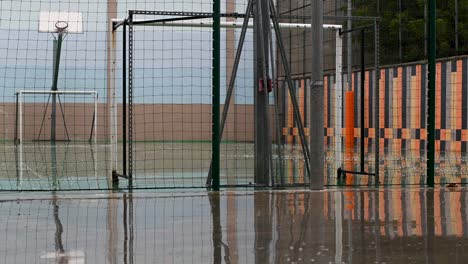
x=79, y=101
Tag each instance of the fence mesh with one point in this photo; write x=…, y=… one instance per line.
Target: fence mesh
x=172, y=111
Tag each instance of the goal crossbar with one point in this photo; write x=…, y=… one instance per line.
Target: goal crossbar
x=20, y=105
x=223, y=24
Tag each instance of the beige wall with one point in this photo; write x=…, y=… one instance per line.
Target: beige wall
x=163, y=122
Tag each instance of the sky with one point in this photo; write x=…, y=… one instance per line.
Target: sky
x=171, y=65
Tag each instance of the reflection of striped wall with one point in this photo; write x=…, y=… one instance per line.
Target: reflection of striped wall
x=403, y=212
x=402, y=107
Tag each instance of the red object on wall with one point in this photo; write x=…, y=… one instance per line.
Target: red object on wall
x=261, y=86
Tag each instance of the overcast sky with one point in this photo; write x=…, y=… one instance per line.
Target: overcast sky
x=172, y=65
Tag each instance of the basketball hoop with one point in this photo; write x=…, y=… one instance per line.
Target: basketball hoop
x=61, y=26
x=61, y=22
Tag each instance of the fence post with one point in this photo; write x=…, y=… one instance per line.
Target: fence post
x=216, y=94
x=431, y=26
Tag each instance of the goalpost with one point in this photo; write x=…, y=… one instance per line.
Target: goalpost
x=200, y=23
x=20, y=123
x=20, y=111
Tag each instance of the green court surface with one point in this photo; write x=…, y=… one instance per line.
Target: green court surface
x=82, y=166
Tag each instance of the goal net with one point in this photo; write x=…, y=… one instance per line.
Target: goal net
x=56, y=116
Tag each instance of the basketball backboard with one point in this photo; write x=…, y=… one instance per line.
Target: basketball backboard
x=49, y=19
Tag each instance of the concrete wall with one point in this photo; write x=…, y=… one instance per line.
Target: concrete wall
x=163, y=122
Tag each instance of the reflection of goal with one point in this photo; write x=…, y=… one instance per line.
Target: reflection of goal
x=75, y=112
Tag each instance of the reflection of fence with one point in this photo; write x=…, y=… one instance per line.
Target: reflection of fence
x=366, y=226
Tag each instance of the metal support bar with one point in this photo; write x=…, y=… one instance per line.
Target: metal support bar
x=117, y=24
x=343, y=32
x=164, y=20
x=63, y=117
x=431, y=25
x=239, y=15
x=130, y=99
x=232, y=82
x=338, y=100
x=297, y=115
x=231, y=24
x=353, y=18
x=124, y=100
x=363, y=79
x=261, y=69
x=16, y=118
x=274, y=88
x=115, y=175
x=342, y=173
x=216, y=85
x=316, y=99
x=377, y=101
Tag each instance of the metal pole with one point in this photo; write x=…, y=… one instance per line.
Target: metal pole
x=363, y=78
x=261, y=28
x=16, y=118
x=338, y=98
x=95, y=117
x=317, y=159
x=377, y=100
x=124, y=100
x=456, y=26
x=431, y=24
x=20, y=113
x=349, y=48
x=425, y=29
x=130, y=99
x=111, y=126
x=400, y=42
x=232, y=80
x=290, y=85
x=216, y=95
x=278, y=129
x=57, y=50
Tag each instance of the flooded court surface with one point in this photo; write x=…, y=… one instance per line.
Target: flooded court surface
x=82, y=166
x=409, y=225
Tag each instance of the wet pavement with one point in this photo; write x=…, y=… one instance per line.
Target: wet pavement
x=40, y=166
x=392, y=225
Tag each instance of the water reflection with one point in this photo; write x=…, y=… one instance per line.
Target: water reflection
x=348, y=225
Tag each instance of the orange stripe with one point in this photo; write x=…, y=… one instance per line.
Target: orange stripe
x=459, y=108
x=349, y=121
x=382, y=106
x=438, y=105
x=400, y=98
x=438, y=95
x=459, y=103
